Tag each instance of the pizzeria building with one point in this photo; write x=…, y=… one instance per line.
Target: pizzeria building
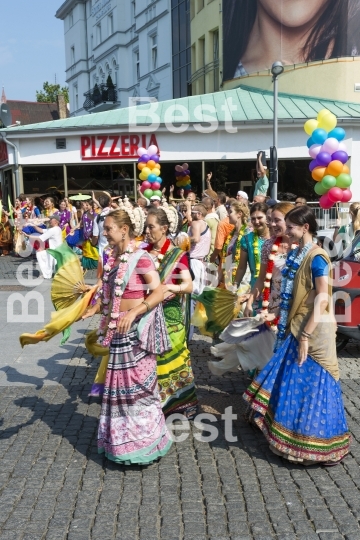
x=220, y=132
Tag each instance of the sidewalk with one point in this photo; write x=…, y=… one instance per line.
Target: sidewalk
x=54, y=485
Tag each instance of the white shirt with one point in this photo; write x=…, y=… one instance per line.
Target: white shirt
x=98, y=228
x=54, y=235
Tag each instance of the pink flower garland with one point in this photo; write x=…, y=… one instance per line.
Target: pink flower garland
x=111, y=311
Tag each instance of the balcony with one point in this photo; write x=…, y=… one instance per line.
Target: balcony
x=102, y=97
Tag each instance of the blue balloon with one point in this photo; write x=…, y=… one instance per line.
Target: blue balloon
x=158, y=179
x=310, y=142
x=338, y=133
x=152, y=178
x=319, y=136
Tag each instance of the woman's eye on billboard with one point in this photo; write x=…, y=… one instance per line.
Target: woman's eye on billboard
x=259, y=32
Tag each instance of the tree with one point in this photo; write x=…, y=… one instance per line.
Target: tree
x=50, y=92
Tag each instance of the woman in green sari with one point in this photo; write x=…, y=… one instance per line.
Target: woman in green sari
x=175, y=375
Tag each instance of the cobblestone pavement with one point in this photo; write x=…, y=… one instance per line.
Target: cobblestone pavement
x=54, y=485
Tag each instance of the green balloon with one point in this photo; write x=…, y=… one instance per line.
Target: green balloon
x=343, y=180
x=320, y=189
x=328, y=182
x=157, y=192
x=148, y=193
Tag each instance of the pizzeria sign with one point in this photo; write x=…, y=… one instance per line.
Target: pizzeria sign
x=114, y=147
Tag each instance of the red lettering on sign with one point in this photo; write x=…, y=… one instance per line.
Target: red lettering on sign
x=115, y=139
x=134, y=144
x=125, y=145
x=115, y=147
x=85, y=144
x=101, y=153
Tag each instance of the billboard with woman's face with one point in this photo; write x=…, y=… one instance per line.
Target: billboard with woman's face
x=259, y=32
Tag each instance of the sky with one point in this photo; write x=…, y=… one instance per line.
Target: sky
x=32, y=47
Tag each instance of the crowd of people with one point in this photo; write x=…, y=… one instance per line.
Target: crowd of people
x=159, y=260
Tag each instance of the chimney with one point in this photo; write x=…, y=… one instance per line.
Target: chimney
x=61, y=105
x=3, y=96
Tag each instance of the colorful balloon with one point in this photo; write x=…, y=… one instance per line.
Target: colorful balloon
x=346, y=169
x=328, y=182
x=328, y=122
x=157, y=166
x=152, y=178
x=155, y=158
x=152, y=150
x=156, y=171
x=319, y=136
x=144, y=158
x=325, y=202
x=347, y=195
x=312, y=165
x=335, y=194
x=335, y=168
x=310, y=142
x=141, y=165
x=343, y=180
x=155, y=186
x=146, y=171
x=340, y=155
x=157, y=192
x=314, y=150
x=151, y=164
x=141, y=151
x=310, y=126
x=323, y=159
x=318, y=173
x=342, y=147
x=322, y=113
x=146, y=185
x=320, y=189
x=142, y=176
x=159, y=180
x=338, y=133
x=331, y=145
x=148, y=193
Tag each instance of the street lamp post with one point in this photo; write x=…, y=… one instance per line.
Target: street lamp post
x=276, y=69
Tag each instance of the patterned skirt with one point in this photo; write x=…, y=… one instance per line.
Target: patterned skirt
x=132, y=427
x=299, y=409
x=174, y=371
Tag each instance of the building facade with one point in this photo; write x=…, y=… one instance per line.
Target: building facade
x=116, y=52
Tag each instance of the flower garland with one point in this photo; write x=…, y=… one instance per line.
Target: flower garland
x=235, y=253
x=111, y=312
x=267, y=282
x=162, y=252
x=293, y=263
x=256, y=250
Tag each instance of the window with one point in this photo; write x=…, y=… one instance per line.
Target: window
x=114, y=72
x=137, y=64
x=181, y=46
x=216, y=45
x=133, y=8
x=154, y=52
x=76, y=97
x=200, y=5
x=98, y=34
x=72, y=55
x=92, y=42
x=71, y=19
x=111, y=24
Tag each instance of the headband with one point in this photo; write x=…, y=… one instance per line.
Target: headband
x=136, y=215
x=172, y=216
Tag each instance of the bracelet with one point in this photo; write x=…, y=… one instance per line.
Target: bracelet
x=306, y=334
x=147, y=305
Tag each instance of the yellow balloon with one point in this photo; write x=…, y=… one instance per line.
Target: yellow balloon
x=155, y=171
x=328, y=122
x=146, y=171
x=142, y=176
x=310, y=126
x=322, y=113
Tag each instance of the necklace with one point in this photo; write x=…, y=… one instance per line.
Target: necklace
x=256, y=250
x=232, y=250
x=111, y=310
x=293, y=263
x=163, y=250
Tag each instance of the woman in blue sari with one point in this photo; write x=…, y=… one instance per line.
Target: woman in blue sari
x=297, y=396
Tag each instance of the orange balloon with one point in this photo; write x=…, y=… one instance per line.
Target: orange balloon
x=335, y=168
x=151, y=164
x=157, y=166
x=318, y=173
x=346, y=169
x=141, y=166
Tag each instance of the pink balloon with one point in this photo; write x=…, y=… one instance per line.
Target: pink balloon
x=314, y=150
x=142, y=188
x=185, y=166
x=346, y=195
x=342, y=147
x=335, y=194
x=155, y=186
x=152, y=150
x=178, y=168
x=330, y=146
x=325, y=202
x=141, y=151
x=146, y=185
